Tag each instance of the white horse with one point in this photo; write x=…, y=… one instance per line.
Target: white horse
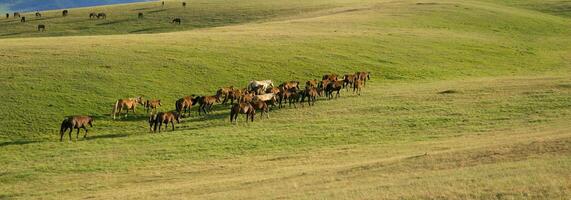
x=260, y=87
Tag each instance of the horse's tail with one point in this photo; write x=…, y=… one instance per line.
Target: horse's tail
x=177, y=106
x=115, y=109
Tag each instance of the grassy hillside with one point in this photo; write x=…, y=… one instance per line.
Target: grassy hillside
x=499, y=132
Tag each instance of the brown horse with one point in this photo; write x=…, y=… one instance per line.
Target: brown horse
x=184, y=104
x=235, y=95
x=311, y=94
x=323, y=83
x=7, y=15
x=330, y=77
x=140, y=15
x=248, y=97
x=335, y=86
x=206, y=102
x=101, y=16
x=291, y=95
x=363, y=76
x=16, y=15
x=76, y=122
x=64, y=13
x=273, y=90
x=152, y=105
x=262, y=106
x=290, y=84
x=176, y=21
x=244, y=108
x=23, y=19
x=357, y=86
x=128, y=104
x=311, y=83
x=38, y=14
x=42, y=27
x=92, y=15
x=183, y=4
x=166, y=118
x=348, y=80
x=224, y=92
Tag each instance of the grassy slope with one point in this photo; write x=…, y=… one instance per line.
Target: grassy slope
x=519, y=120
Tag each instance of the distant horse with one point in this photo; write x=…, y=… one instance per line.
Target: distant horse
x=16, y=15
x=7, y=15
x=23, y=19
x=358, y=85
x=152, y=105
x=247, y=97
x=38, y=14
x=291, y=95
x=363, y=76
x=166, y=118
x=348, y=80
x=64, y=13
x=335, y=86
x=262, y=106
x=140, y=15
x=244, y=108
x=76, y=122
x=163, y=3
x=92, y=15
x=290, y=84
x=259, y=87
x=183, y=4
x=101, y=16
x=323, y=83
x=224, y=92
x=128, y=104
x=311, y=83
x=330, y=77
x=176, y=21
x=273, y=90
x=206, y=103
x=184, y=104
x=42, y=27
x=235, y=95
x=311, y=94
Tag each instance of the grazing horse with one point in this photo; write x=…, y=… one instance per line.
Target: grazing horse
x=140, y=15
x=207, y=102
x=16, y=15
x=244, y=108
x=290, y=84
x=64, y=13
x=152, y=105
x=38, y=14
x=162, y=3
x=291, y=95
x=330, y=77
x=224, y=92
x=7, y=15
x=259, y=86
x=357, y=86
x=183, y=4
x=311, y=94
x=76, y=122
x=333, y=87
x=42, y=27
x=311, y=83
x=92, y=15
x=166, y=118
x=262, y=106
x=128, y=104
x=184, y=104
x=363, y=76
x=348, y=80
x=101, y=15
x=23, y=19
x=176, y=21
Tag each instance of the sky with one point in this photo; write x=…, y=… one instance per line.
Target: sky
x=33, y=5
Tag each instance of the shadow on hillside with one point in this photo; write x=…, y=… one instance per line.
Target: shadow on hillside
x=11, y=34
x=113, y=22
x=146, y=30
x=109, y=136
x=20, y=142
x=156, y=11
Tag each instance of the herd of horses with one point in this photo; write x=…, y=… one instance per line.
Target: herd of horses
x=256, y=96
x=42, y=27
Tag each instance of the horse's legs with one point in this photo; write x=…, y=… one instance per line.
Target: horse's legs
x=77, y=135
x=70, y=130
x=84, y=128
x=62, y=132
x=172, y=122
x=160, y=125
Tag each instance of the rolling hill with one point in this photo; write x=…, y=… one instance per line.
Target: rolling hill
x=467, y=100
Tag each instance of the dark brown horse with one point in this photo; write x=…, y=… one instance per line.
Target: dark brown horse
x=92, y=15
x=16, y=15
x=206, y=103
x=273, y=90
x=42, y=27
x=7, y=15
x=363, y=76
x=184, y=104
x=128, y=104
x=224, y=92
x=183, y=4
x=244, y=108
x=176, y=21
x=166, y=118
x=23, y=19
x=348, y=80
x=101, y=16
x=76, y=122
x=38, y=14
x=152, y=105
x=335, y=86
x=64, y=13
x=311, y=94
x=140, y=15
x=262, y=106
x=291, y=95
x=323, y=83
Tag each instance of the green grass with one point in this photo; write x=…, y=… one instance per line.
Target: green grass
x=459, y=105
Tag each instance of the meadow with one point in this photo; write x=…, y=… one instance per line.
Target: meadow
x=467, y=100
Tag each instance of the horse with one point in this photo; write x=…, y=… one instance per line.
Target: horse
x=101, y=15
x=16, y=15
x=38, y=14
x=183, y=4
x=348, y=80
x=262, y=106
x=363, y=76
x=333, y=86
x=7, y=15
x=76, y=122
x=224, y=92
x=259, y=86
x=290, y=84
x=140, y=15
x=358, y=85
x=311, y=83
x=311, y=94
x=162, y=3
x=244, y=108
x=247, y=97
x=330, y=77
x=291, y=95
x=176, y=21
x=323, y=83
x=42, y=27
x=152, y=105
x=92, y=15
x=166, y=118
x=23, y=19
x=184, y=104
x=64, y=13
x=235, y=94
x=129, y=104
x=207, y=102
x=273, y=90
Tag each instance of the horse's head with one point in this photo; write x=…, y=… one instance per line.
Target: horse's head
x=90, y=121
x=368, y=75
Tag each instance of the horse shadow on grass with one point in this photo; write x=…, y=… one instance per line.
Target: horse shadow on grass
x=18, y=142
x=144, y=30
x=107, y=136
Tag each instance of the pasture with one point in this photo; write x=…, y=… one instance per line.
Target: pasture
x=467, y=100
